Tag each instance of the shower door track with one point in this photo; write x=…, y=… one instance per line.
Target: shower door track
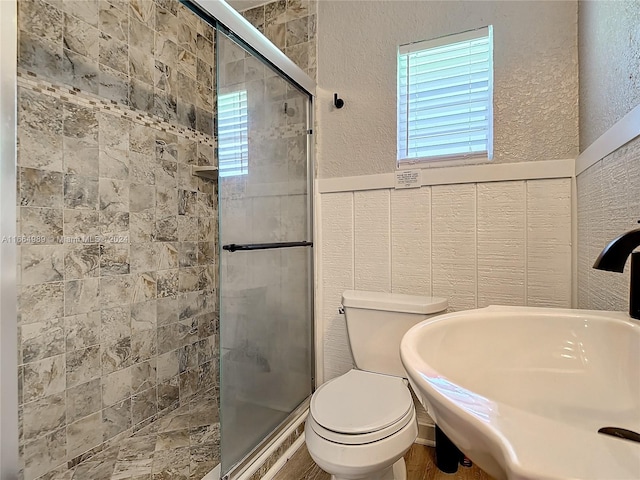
x=243, y=465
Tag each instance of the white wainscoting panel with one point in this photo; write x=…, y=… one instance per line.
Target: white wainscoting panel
x=548, y=242
x=411, y=241
x=453, y=248
x=608, y=206
x=337, y=232
x=595, y=226
x=506, y=242
x=618, y=219
x=501, y=243
x=372, y=240
x=584, y=260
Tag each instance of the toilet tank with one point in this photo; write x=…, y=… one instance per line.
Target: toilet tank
x=376, y=323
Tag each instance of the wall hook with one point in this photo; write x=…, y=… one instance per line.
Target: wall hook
x=337, y=102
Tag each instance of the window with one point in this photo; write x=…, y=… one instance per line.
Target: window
x=445, y=98
x=233, y=142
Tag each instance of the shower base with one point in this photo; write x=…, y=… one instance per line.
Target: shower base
x=182, y=445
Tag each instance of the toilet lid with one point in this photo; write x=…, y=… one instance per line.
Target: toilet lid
x=362, y=438
x=361, y=402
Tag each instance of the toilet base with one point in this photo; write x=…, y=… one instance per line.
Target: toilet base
x=397, y=471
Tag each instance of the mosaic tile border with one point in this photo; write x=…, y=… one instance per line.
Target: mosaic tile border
x=33, y=82
x=76, y=96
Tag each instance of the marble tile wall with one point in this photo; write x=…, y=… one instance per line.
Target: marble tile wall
x=154, y=55
x=291, y=26
x=117, y=274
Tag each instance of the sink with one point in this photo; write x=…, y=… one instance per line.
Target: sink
x=523, y=391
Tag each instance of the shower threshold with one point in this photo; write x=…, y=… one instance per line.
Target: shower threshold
x=267, y=452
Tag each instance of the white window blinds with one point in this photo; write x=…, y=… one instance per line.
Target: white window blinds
x=233, y=142
x=445, y=97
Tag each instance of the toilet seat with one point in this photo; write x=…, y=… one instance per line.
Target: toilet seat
x=362, y=438
x=361, y=407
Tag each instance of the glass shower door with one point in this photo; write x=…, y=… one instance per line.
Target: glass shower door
x=266, y=254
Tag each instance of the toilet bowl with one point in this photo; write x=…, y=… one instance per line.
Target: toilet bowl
x=362, y=423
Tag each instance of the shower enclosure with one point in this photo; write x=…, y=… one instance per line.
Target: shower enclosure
x=266, y=257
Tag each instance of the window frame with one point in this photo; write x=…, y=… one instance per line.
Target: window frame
x=456, y=158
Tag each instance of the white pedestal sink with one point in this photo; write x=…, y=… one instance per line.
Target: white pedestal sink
x=523, y=391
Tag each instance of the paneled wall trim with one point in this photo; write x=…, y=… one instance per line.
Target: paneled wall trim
x=477, y=244
x=431, y=175
x=621, y=133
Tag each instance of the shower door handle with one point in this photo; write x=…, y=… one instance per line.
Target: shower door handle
x=233, y=247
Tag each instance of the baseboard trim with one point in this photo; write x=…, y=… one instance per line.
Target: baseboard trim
x=426, y=435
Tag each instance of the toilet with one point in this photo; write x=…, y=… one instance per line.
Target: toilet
x=362, y=423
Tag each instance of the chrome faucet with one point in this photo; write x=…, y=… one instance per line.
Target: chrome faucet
x=613, y=258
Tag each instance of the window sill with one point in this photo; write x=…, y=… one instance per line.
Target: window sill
x=443, y=162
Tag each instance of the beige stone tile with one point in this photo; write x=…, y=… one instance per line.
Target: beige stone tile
x=82, y=296
x=81, y=37
x=116, y=386
x=42, y=339
x=41, y=188
x=82, y=400
x=172, y=440
x=41, y=302
x=82, y=365
x=84, y=434
x=144, y=405
x=114, y=22
x=116, y=419
x=81, y=261
x=44, y=416
x=44, y=378
x=143, y=375
x=44, y=454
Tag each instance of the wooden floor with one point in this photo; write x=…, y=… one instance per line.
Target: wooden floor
x=420, y=466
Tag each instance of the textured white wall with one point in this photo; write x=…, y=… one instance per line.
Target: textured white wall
x=609, y=191
x=609, y=52
x=608, y=205
x=476, y=244
x=536, y=77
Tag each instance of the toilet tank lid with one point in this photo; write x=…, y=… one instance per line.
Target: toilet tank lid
x=395, y=302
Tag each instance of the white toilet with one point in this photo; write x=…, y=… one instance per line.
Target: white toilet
x=362, y=423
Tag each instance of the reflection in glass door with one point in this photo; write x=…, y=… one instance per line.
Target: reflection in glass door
x=266, y=254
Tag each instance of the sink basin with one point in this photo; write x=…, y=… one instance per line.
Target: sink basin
x=523, y=391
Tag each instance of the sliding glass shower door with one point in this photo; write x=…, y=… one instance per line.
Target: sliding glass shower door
x=266, y=253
